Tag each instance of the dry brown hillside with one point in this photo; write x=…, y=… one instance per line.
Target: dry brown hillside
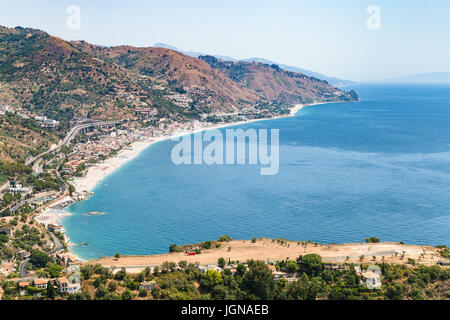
x=49, y=76
x=224, y=86
x=209, y=87
x=278, y=85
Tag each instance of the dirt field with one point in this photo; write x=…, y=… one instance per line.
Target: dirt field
x=269, y=250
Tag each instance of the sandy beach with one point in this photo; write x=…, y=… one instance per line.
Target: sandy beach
x=96, y=173
x=270, y=250
x=100, y=171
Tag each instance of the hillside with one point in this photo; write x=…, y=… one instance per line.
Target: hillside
x=278, y=85
x=209, y=89
x=61, y=80
x=331, y=80
x=42, y=75
x=226, y=85
x=49, y=76
x=21, y=138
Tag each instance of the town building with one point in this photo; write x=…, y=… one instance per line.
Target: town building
x=40, y=283
x=55, y=228
x=147, y=285
x=371, y=278
x=15, y=187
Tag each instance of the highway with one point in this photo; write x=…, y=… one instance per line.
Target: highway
x=34, y=161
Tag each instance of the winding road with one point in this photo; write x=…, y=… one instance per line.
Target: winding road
x=58, y=244
x=23, y=268
x=34, y=161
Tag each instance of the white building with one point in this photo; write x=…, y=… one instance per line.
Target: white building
x=66, y=287
x=371, y=278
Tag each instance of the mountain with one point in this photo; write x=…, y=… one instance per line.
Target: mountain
x=433, y=77
x=278, y=85
x=209, y=89
x=221, y=85
x=46, y=75
x=331, y=80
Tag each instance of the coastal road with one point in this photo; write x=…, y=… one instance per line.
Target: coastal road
x=23, y=268
x=58, y=244
x=70, y=135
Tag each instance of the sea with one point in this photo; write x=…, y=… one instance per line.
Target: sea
x=347, y=171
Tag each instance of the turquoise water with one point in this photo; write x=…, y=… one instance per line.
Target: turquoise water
x=347, y=171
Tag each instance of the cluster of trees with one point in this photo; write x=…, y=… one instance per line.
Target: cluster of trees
x=372, y=240
x=12, y=169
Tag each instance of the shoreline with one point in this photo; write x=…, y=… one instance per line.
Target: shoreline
x=98, y=172
x=266, y=249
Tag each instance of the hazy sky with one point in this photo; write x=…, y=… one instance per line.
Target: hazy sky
x=326, y=36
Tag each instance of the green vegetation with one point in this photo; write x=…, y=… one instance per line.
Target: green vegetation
x=372, y=240
x=39, y=259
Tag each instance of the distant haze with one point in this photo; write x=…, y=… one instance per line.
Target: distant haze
x=329, y=37
x=434, y=77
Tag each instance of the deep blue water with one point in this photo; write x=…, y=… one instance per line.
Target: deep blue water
x=347, y=171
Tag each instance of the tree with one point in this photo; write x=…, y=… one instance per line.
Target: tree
x=101, y=291
x=240, y=270
x=39, y=259
x=143, y=292
x=75, y=296
x=372, y=240
x=50, y=290
x=7, y=198
x=221, y=262
x=311, y=264
x=55, y=271
x=156, y=292
x=156, y=270
x=3, y=238
x=121, y=274
x=258, y=282
x=395, y=291
x=172, y=247
x=207, y=245
x=117, y=256
x=305, y=288
x=127, y=295
x=291, y=266
x=71, y=189
x=214, y=277
x=182, y=264
x=224, y=239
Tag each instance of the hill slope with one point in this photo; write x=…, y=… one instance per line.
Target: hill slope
x=331, y=80
x=278, y=85
x=225, y=85
x=206, y=86
x=47, y=75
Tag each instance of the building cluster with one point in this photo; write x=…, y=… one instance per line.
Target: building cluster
x=25, y=114
x=181, y=100
x=70, y=283
x=47, y=123
x=4, y=108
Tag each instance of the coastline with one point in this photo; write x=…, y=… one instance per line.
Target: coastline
x=99, y=171
x=267, y=250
